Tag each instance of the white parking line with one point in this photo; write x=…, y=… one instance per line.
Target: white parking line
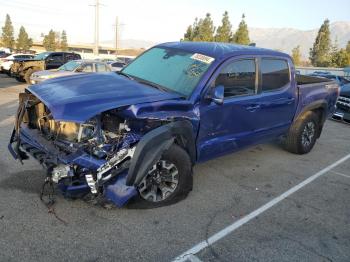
x=193, y=258
x=340, y=174
x=229, y=229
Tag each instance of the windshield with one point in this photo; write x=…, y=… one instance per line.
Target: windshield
x=41, y=56
x=70, y=66
x=174, y=69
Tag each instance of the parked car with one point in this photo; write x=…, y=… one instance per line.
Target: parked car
x=71, y=68
x=342, y=112
x=6, y=64
x=3, y=59
x=23, y=69
x=116, y=65
x=339, y=79
x=137, y=134
x=4, y=54
x=321, y=73
x=126, y=59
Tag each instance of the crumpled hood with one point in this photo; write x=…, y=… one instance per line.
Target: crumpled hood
x=78, y=98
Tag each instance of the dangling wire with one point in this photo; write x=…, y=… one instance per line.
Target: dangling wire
x=50, y=201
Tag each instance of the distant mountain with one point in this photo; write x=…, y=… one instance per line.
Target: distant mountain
x=285, y=39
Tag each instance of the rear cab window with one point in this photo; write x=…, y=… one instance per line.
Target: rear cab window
x=275, y=74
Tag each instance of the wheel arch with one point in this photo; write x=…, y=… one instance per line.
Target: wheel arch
x=319, y=108
x=154, y=143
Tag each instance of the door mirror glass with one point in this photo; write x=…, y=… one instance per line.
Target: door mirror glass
x=217, y=95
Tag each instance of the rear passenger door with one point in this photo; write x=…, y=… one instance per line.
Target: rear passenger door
x=278, y=97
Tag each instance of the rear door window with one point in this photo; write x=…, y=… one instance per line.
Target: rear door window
x=275, y=74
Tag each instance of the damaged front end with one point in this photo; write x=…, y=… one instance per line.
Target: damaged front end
x=96, y=157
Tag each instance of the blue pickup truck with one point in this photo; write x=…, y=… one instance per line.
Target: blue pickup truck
x=134, y=136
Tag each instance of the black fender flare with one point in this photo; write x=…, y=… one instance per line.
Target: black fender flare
x=316, y=105
x=151, y=146
x=319, y=104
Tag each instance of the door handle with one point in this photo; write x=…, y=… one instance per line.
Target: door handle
x=253, y=108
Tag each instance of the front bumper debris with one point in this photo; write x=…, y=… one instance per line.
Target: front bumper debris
x=115, y=190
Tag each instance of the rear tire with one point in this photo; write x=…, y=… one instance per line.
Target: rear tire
x=303, y=134
x=178, y=161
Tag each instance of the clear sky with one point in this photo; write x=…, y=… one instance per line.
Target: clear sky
x=164, y=20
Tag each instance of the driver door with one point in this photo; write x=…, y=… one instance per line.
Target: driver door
x=227, y=127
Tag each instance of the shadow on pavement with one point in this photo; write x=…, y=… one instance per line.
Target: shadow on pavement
x=7, y=81
x=26, y=181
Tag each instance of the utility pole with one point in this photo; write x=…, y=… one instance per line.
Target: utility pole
x=97, y=13
x=116, y=35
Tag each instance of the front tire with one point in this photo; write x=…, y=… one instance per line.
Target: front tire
x=302, y=135
x=167, y=182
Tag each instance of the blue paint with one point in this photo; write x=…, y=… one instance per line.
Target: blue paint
x=80, y=97
x=73, y=190
x=117, y=192
x=219, y=129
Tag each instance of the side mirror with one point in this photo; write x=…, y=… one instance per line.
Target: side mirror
x=217, y=96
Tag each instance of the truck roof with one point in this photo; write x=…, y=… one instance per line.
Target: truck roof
x=221, y=50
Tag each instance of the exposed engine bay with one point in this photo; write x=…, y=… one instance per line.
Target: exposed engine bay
x=79, y=156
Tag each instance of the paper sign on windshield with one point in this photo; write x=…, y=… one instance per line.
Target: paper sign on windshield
x=203, y=58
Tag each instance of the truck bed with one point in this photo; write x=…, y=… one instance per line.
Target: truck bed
x=316, y=90
x=306, y=80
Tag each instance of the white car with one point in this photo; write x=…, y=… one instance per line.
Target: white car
x=7, y=62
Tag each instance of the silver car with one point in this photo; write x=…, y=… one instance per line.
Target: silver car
x=70, y=68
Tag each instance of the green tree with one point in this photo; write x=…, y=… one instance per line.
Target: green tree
x=348, y=47
x=224, y=32
x=188, y=36
x=341, y=58
x=7, y=37
x=320, y=53
x=242, y=34
x=204, y=30
x=49, y=41
x=192, y=31
x=64, y=41
x=296, y=55
x=23, y=41
x=58, y=39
